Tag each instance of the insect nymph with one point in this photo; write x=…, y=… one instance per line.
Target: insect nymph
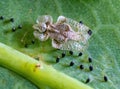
x=66, y=34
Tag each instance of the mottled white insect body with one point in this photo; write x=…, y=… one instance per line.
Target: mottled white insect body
x=66, y=34
x=61, y=19
x=44, y=19
x=41, y=37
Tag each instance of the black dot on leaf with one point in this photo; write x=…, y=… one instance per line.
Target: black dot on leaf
x=63, y=55
x=81, y=67
x=91, y=68
x=26, y=45
x=11, y=19
x=81, y=22
x=89, y=32
x=57, y=59
x=105, y=78
x=80, y=54
x=33, y=41
x=1, y=17
x=19, y=26
x=71, y=63
x=87, y=80
x=71, y=52
x=13, y=29
x=90, y=59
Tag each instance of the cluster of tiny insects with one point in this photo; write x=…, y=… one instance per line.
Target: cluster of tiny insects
x=15, y=28
x=66, y=34
x=12, y=21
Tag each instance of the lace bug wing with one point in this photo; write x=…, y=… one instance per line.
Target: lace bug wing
x=82, y=30
x=44, y=19
x=40, y=36
x=72, y=45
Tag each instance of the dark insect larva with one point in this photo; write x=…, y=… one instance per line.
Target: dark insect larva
x=57, y=59
x=88, y=80
x=90, y=59
x=91, y=68
x=80, y=54
x=13, y=29
x=81, y=22
x=11, y=19
x=89, y=32
x=105, y=78
x=33, y=41
x=19, y=26
x=63, y=55
x=71, y=52
x=26, y=45
x=1, y=17
x=71, y=63
x=81, y=67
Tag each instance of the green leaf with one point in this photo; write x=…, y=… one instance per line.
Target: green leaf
x=101, y=16
x=44, y=76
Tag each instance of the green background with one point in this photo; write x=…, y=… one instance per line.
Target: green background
x=102, y=16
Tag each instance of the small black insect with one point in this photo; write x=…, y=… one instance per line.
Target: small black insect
x=63, y=55
x=1, y=17
x=81, y=22
x=71, y=63
x=91, y=68
x=33, y=41
x=90, y=59
x=105, y=78
x=19, y=26
x=13, y=29
x=81, y=67
x=71, y=52
x=26, y=45
x=88, y=80
x=57, y=59
x=80, y=54
x=12, y=19
x=89, y=32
